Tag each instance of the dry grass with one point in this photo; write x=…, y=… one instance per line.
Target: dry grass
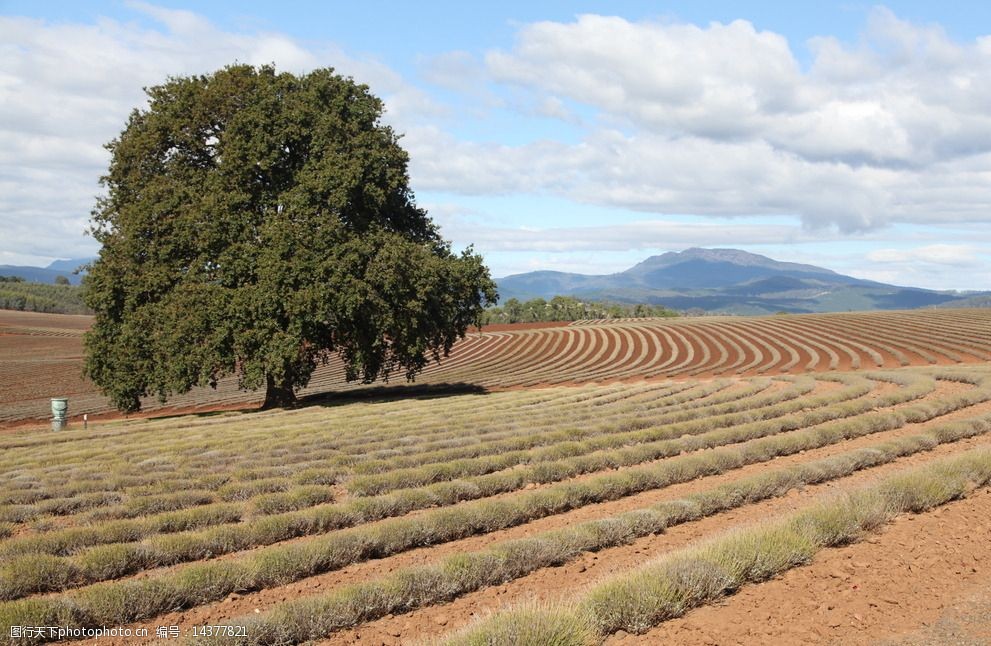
x=83, y=512
x=682, y=580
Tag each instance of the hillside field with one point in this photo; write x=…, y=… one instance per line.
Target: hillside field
x=776, y=480
x=41, y=355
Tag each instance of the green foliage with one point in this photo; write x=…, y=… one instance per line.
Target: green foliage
x=17, y=294
x=257, y=223
x=567, y=308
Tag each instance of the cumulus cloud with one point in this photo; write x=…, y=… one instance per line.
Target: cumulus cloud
x=66, y=89
x=554, y=107
x=457, y=70
x=658, y=174
x=717, y=121
x=723, y=119
x=661, y=76
x=904, y=95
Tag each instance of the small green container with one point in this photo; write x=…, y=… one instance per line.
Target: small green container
x=60, y=413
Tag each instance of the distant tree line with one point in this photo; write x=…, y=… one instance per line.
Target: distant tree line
x=567, y=308
x=60, y=298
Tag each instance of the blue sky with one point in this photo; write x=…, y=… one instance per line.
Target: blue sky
x=576, y=136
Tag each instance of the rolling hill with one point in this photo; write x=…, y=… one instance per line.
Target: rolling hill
x=47, y=274
x=728, y=281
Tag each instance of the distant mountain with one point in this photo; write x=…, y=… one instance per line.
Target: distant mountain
x=69, y=265
x=727, y=281
x=48, y=274
x=982, y=300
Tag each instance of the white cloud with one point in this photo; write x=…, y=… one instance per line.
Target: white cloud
x=647, y=234
x=659, y=75
x=721, y=119
x=718, y=121
x=905, y=95
x=66, y=89
x=456, y=70
x=957, y=265
x=953, y=255
x=660, y=174
x=555, y=108
x=178, y=21
x=438, y=161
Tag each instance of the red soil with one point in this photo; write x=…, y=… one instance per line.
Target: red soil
x=41, y=355
x=512, y=327
x=796, y=599
x=548, y=585
x=895, y=583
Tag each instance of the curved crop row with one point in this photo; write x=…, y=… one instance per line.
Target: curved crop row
x=621, y=349
x=677, y=582
x=312, y=618
x=651, y=348
x=758, y=443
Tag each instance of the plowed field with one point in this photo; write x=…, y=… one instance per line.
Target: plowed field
x=41, y=355
x=783, y=480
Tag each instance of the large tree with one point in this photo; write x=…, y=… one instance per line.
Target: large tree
x=257, y=223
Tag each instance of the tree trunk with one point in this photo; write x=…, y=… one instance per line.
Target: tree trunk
x=278, y=395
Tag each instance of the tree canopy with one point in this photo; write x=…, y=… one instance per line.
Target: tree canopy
x=257, y=223
x=19, y=294
x=568, y=308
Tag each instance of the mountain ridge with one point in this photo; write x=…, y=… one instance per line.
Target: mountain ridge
x=730, y=281
x=47, y=274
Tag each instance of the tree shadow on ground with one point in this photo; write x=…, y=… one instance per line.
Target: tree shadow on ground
x=373, y=393
x=381, y=393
